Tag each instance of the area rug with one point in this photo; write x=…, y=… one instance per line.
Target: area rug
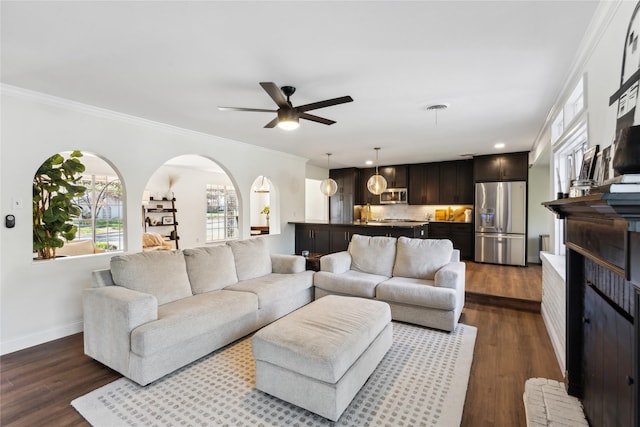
x=422, y=381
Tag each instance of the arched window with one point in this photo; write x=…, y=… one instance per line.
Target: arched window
x=78, y=206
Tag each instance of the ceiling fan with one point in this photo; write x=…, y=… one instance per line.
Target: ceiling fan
x=288, y=115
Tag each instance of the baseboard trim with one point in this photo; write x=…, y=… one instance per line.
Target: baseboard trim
x=503, y=302
x=42, y=337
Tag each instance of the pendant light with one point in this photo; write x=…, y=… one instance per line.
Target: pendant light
x=263, y=188
x=377, y=183
x=328, y=186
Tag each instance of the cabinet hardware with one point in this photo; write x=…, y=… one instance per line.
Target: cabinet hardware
x=586, y=320
x=629, y=380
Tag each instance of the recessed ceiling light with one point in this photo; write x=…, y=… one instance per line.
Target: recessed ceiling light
x=368, y=162
x=499, y=145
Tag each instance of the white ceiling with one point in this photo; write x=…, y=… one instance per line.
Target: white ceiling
x=500, y=66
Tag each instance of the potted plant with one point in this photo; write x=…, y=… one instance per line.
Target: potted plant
x=55, y=185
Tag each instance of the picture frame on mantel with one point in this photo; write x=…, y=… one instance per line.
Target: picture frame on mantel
x=606, y=164
x=588, y=163
x=598, y=172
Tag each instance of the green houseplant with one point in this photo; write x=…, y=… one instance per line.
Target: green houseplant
x=55, y=185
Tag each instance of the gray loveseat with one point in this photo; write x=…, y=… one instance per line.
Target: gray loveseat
x=154, y=312
x=422, y=280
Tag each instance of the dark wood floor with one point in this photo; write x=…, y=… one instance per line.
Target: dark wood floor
x=37, y=384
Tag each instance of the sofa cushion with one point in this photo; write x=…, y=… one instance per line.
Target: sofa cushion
x=182, y=320
x=421, y=258
x=251, y=257
x=353, y=283
x=274, y=286
x=211, y=268
x=411, y=291
x=162, y=274
x=373, y=255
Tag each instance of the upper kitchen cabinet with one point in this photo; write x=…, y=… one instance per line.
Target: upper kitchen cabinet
x=341, y=204
x=456, y=182
x=424, y=184
x=365, y=195
x=441, y=183
x=396, y=176
x=501, y=167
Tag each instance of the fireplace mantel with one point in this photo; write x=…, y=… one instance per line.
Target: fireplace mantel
x=602, y=236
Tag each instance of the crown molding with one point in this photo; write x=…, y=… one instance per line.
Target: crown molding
x=600, y=22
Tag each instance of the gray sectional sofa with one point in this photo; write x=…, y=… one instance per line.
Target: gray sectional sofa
x=154, y=312
x=422, y=280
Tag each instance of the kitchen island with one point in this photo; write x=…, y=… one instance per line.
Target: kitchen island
x=326, y=237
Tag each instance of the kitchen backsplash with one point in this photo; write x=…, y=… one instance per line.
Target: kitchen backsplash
x=411, y=212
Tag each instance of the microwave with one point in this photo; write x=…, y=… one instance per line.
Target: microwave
x=393, y=196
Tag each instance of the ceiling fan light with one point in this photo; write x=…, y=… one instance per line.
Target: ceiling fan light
x=377, y=184
x=288, y=119
x=328, y=187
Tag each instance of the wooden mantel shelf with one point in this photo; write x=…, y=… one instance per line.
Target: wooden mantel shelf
x=614, y=206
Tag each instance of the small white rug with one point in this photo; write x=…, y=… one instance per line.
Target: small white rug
x=422, y=381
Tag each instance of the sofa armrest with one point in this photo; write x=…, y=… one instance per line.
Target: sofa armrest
x=110, y=314
x=102, y=278
x=339, y=262
x=287, y=264
x=452, y=276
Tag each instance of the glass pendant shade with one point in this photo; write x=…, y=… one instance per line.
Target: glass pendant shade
x=377, y=183
x=328, y=187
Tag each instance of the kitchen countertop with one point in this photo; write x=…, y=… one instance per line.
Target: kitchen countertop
x=382, y=223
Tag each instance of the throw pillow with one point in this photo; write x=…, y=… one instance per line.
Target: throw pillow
x=210, y=268
x=373, y=255
x=162, y=274
x=421, y=258
x=251, y=257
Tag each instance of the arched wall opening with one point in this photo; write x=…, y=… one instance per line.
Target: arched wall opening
x=78, y=203
x=188, y=202
x=265, y=211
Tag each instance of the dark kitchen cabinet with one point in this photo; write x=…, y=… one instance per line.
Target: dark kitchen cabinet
x=341, y=204
x=441, y=183
x=365, y=195
x=460, y=234
x=340, y=237
x=501, y=167
x=313, y=238
x=396, y=176
x=456, y=182
x=424, y=184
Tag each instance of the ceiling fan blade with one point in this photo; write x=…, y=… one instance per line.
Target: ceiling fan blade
x=272, y=123
x=316, y=119
x=275, y=93
x=322, y=104
x=259, y=110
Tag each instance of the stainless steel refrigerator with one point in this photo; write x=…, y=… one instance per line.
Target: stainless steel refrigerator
x=501, y=222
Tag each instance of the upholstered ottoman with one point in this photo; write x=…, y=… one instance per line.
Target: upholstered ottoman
x=319, y=356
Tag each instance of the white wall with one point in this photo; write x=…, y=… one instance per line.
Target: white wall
x=41, y=300
x=537, y=214
x=316, y=206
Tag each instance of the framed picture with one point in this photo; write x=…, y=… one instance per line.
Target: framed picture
x=167, y=220
x=589, y=163
x=606, y=164
x=597, y=174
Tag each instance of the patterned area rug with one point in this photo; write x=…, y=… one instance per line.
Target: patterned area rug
x=422, y=381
